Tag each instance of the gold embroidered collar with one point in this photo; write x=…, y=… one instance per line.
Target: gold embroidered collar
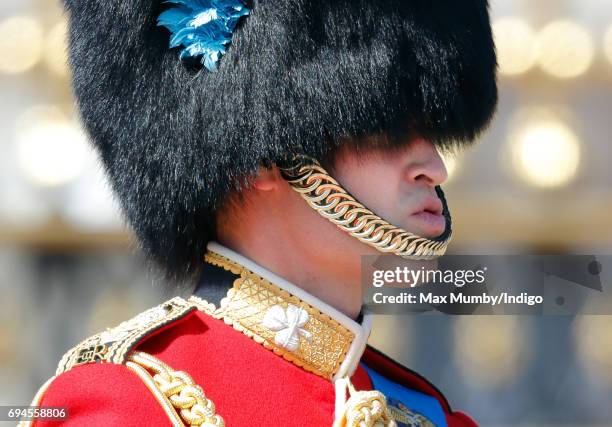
x=286, y=319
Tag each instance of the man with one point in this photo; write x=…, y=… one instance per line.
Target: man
x=265, y=147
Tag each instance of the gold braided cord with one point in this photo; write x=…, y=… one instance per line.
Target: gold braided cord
x=331, y=201
x=364, y=409
x=176, y=391
x=368, y=409
x=161, y=398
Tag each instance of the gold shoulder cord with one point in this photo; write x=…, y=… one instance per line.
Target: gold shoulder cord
x=363, y=408
x=181, y=398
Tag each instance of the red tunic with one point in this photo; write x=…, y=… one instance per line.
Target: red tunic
x=249, y=384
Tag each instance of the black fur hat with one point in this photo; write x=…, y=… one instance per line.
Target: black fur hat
x=298, y=75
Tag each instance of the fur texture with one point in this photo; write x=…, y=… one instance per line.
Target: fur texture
x=297, y=76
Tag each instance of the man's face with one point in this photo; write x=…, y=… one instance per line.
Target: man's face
x=399, y=185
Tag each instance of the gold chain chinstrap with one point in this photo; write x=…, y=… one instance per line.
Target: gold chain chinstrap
x=331, y=201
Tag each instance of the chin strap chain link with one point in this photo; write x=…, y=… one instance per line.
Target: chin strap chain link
x=362, y=409
x=331, y=201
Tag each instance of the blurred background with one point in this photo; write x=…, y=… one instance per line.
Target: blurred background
x=539, y=181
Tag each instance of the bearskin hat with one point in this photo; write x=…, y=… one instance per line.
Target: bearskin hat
x=298, y=75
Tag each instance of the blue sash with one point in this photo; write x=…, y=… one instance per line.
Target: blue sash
x=409, y=408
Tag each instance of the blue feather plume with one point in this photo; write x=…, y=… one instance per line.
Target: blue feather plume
x=203, y=28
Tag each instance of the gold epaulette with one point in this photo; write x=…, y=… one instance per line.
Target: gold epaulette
x=114, y=344
x=181, y=398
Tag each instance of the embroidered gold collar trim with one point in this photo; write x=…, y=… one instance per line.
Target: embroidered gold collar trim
x=285, y=319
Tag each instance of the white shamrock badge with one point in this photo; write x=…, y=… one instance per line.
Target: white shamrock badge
x=288, y=325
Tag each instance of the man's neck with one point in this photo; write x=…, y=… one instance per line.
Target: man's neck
x=317, y=280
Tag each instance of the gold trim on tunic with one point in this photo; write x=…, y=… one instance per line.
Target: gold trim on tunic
x=324, y=342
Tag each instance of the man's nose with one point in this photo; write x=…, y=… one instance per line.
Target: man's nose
x=425, y=164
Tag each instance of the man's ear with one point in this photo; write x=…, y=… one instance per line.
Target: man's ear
x=267, y=179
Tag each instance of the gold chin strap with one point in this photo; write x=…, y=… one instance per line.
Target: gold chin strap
x=331, y=201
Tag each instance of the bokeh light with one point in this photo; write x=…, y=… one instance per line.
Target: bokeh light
x=21, y=43
x=51, y=149
x=515, y=43
x=564, y=49
x=56, y=50
x=545, y=151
